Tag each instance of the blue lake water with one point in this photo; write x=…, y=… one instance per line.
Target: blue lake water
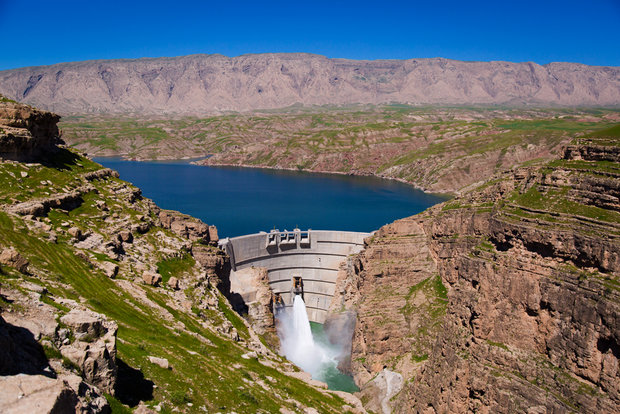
x=248, y=200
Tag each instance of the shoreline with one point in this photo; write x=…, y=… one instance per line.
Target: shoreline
x=442, y=194
x=446, y=195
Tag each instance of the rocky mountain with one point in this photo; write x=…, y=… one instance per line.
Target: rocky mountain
x=199, y=84
x=505, y=299
x=108, y=303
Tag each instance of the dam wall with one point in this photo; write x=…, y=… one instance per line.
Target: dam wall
x=313, y=255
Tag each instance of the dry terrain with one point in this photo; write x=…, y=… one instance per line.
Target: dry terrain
x=201, y=84
x=440, y=149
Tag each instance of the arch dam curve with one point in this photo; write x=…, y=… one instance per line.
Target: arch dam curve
x=313, y=255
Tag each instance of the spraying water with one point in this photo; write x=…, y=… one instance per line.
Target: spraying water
x=299, y=346
x=297, y=342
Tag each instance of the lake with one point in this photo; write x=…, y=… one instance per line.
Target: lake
x=247, y=200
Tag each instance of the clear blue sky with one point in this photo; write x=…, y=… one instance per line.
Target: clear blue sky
x=46, y=32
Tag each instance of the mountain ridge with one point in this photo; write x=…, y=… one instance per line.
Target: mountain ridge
x=198, y=84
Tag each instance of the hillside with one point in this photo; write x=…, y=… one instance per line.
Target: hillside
x=200, y=84
x=505, y=299
x=108, y=301
x=440, y=149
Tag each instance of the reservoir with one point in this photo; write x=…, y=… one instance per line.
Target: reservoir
x=247, y=200
x=241, y=201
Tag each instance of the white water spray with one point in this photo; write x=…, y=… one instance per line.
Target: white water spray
x=297, y=342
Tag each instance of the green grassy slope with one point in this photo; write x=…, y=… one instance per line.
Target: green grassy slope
x=208, y=368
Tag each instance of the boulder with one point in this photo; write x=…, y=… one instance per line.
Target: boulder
x=11, y=257
x=75, y=232
x=108, y=268
x=151, y=278
x=173, y=283
x=84, y=323
x=161, y=362
x=36, y=394
x=125, y=236
x=94, y=350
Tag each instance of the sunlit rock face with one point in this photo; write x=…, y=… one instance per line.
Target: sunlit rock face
x=207, y=83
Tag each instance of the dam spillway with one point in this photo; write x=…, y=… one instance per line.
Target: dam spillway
x=313, y=255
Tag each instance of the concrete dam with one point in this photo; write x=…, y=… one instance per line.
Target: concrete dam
x=305, y=262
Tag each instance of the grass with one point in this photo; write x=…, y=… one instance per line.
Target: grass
x=175, y=266
x=426, y=304
x=201, y=359
x=417, y=144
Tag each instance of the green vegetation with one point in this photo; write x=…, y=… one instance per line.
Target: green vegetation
x=423, y=145
x=426, y=304
x=206, y=365
x=5, y=99
x=175, y=266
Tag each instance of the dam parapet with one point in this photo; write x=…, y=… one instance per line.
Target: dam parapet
x=297, y=262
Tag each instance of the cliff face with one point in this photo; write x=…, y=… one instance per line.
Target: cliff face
x=207, y=83
x=26, y=132
x=528, y=320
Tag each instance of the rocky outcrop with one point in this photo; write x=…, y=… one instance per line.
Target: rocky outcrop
x=503, y=300
x=380, y=390
x=251, y=295
x=23, y=394
x=27, y=336
x=25, y=132
x=208, y=83
x=40, y=207
x=94, y=350
x=188, y=227
x=11, y=257
x=151, y=278
x=216, y=265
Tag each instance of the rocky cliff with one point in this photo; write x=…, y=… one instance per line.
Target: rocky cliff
x=209, y=83
x=503, y=300
x=109, y=302
x=26, y=132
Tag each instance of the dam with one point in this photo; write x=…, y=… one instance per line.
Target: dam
x=297, y=262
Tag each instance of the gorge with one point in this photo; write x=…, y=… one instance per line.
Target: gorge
x=502, y=299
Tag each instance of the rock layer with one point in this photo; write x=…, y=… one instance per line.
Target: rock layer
x=207, y=83
x=503, y=300
x=25, y=132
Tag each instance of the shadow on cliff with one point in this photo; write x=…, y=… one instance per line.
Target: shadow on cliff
x=131, y=386
x=59, y=158
x=20, y=353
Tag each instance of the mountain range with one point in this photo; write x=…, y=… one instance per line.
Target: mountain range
x=199, y=84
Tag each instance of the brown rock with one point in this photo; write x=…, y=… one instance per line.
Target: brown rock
x=110, y=269
x=27, y=394
x=11, y=257
x=75, y=232
x=126, y=236
x=187, y=227
x=94, y=349
x=173, y=283
x=250, y=291
x=151, y=278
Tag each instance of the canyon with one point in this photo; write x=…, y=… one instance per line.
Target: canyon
x=502, y=299
x=109, y=303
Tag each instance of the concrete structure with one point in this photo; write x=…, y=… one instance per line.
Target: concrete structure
x=313, y=255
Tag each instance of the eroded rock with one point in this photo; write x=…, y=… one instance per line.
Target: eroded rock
x=11, y=257
x=94, y=350
x=151, y=278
